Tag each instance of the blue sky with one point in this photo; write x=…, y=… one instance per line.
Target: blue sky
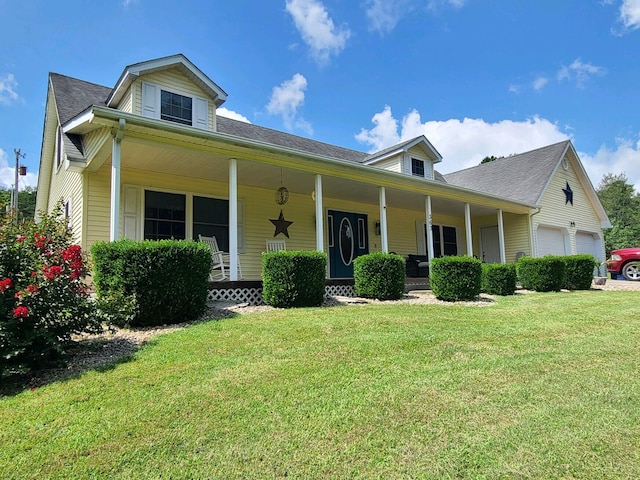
x=476, y=77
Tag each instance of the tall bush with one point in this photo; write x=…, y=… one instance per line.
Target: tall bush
x=293, y=278
x=43, y=299
x=499, y=279
x=167, y=280
x=379, y=275
x=579, y=271
x=455, y=278
x=544, y=274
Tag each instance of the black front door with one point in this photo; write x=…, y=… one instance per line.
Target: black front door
x=347, y=241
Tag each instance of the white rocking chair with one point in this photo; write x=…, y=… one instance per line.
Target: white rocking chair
x=276, y=244
x=220, y=264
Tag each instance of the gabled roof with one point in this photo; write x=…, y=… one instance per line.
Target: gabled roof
x=523, y=177
x=179, y=61
x=420, y=140
x=72, y=96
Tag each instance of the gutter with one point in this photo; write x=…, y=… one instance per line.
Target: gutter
x=386, y=178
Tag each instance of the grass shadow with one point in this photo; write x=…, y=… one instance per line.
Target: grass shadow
x=102, y=353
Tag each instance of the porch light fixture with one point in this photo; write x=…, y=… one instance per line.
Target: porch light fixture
x=572, y=224
x=377, y=227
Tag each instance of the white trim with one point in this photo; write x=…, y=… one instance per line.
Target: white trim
x=467, y=223
x=233, y=219
x=428, y=224
x=503, y=254
x=383, y=220
x=319, y=214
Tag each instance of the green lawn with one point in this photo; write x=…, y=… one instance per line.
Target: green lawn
x=536, y=386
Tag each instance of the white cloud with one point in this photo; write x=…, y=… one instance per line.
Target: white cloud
x=580, y=72
x=628, y=18
x=317, y=29
x=224, y=112
x=286, y=99
x=462, y=143
x=433, y=4
x=624, y=158
x=630, y=14
x=384, y=15
x=8, y=87
x=539, y=83
x=7, y=173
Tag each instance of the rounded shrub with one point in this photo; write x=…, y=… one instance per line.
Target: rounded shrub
x=167, y=279
x=545, y=274
x=379, y=275
x=499, y=279
x=293, y=278
x=579, y=271
x=455, y=278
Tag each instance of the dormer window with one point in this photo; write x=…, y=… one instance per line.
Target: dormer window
x=176, y=108
x=172, y=106
x=417, y=167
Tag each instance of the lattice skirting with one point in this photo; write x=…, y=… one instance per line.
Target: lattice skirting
x=253, y=296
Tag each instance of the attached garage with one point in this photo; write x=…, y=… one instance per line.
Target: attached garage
x=550, y=241
x=587, y=242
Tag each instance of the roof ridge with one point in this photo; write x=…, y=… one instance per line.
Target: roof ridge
x=509, y=157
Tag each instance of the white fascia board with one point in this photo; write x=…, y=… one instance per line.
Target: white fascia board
x=83, y=118
x=111, y=117
x=136, y=70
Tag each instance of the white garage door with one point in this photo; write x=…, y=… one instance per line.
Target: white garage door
x=586, y=243
x=550, y=241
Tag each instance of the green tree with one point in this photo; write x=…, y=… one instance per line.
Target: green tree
x=26, y=202
x=622, y=204
x=488, y=159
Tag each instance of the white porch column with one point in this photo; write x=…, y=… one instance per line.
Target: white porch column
x=383, y=221
x=429, y=222
x=233, y=219
x=467, y=224
x=114, y=222
x=319, y=215
x=503, y=255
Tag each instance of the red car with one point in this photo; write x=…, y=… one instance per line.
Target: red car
x=626, y=262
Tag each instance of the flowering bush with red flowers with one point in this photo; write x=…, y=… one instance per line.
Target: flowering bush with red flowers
x=43, y=299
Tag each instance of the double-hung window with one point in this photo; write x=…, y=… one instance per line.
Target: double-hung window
x=417, y=167
x=172, y=106
x=176, y=108
x=444, y=240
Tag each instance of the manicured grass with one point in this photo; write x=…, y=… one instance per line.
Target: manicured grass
x=536, y=386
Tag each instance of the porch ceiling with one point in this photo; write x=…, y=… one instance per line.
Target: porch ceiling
x=141, y=154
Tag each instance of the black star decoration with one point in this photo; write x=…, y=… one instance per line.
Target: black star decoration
x=568, y=194
x=282, y=225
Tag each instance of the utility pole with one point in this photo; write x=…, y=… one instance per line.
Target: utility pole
x=15, y=185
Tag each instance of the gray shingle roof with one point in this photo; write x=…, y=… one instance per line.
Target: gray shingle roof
x=73, y=95
x=274, y=137
x=521, y=177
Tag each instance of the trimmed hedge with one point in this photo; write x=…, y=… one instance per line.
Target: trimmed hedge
x=293, y=278
x=379, y=275
x=545, y=274
x=455, y=278
x=579, y=271
x=499, y=279
x=168, y=279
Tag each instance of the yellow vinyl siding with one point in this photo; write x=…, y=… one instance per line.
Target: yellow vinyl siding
x=393, y=165
x=556, y=213
x=126, y=104
x=98, y=205
x=175, y=81
x=93, y=141
x=516, y=234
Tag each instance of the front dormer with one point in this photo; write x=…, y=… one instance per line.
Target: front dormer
x=415, y=157
x=171, y=89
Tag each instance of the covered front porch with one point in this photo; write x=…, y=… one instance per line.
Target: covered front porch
x=152, y=187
